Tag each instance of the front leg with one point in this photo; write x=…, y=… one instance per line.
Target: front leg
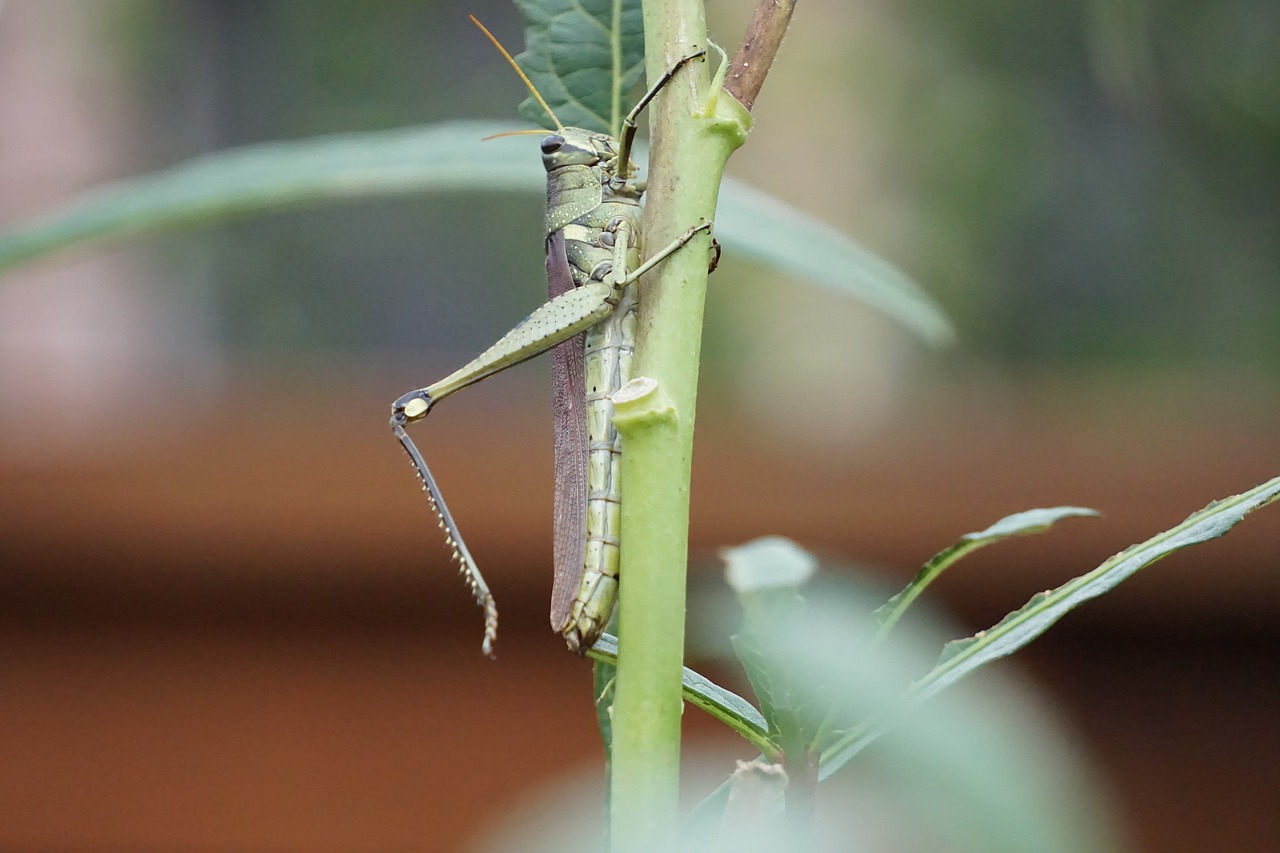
x=668, y=250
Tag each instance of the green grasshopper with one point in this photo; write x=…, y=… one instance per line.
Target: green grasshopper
x=593, y=249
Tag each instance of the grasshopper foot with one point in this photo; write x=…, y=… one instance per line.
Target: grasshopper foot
x=715, y=256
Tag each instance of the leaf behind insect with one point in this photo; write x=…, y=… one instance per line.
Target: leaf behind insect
x=445, y=157
x=585, y=57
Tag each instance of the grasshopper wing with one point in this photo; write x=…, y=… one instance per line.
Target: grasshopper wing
x=569, y=405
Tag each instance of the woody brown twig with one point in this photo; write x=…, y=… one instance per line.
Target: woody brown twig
x=751, y=64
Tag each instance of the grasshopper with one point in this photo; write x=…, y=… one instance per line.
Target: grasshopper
x=593, y=260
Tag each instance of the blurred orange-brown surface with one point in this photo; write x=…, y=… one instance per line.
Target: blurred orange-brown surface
x=242, y=632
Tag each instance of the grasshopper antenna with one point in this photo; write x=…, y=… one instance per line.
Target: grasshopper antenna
x=527, y=82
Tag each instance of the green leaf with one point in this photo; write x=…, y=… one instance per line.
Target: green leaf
x=603, y=673
x=272, y=176
x=766, y=574
x=585, y=57
x=701, y=692
x=767, y=563
x=961, y=657
x=1014, y=631
x=1018, y=524
x=761, y=228
x=976, y=770
x=446, y=157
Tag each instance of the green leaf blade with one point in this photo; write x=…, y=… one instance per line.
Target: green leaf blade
x=272, y=176
x=446, y=157
x=766, y=230
x=961, y=657
x=767, y=575
x=584, y=56
x=699, y=691
x=1026, y=522
x=1019, y=524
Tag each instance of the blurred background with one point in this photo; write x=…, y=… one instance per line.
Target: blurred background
x=226, y=618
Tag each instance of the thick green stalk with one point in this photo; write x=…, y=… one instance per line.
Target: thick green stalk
x=693, y=133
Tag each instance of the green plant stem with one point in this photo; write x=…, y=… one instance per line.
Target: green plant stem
x=693, y=136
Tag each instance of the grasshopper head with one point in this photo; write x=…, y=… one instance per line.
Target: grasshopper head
x=573, y=146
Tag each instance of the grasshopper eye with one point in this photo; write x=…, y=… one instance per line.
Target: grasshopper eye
x=552, y=143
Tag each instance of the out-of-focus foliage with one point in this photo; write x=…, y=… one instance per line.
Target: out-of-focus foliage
x=1102, y=178
x=360, y=276
x=1083, y=181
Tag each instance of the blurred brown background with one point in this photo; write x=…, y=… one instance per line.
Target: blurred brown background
x=226, y=619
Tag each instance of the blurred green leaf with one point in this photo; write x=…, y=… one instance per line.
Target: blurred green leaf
x=961, y=657
x=767, y=574
x=602, y=675
x=977, y=770
x=699, y=691
x=272, y=176
x=761, y=228
x=572, y=49
x=767, y=563
x=1014, y=631
x=1018, y=524
x=446, y=157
